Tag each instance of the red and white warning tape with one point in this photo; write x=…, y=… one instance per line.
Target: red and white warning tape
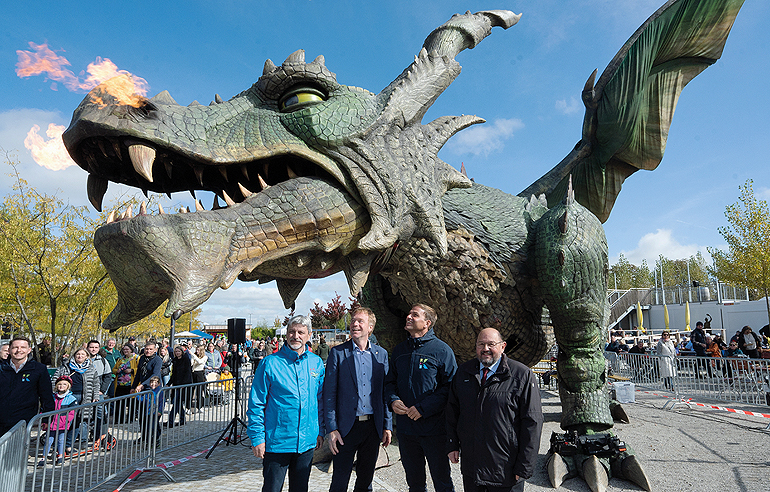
x=715, y=407
x=165, y=466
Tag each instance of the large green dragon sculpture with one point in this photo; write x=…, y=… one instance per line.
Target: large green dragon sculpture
x=320, y=177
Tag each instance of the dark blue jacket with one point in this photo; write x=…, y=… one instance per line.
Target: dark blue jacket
x=147, y=368
x=22, y=393
x=421, y=370
x=341, y=389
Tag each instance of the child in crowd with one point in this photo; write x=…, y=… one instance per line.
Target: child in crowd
x=152, y=410
x=228, y=386
x=59, y=424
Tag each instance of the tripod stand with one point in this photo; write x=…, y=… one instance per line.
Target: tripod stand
x=231, y=431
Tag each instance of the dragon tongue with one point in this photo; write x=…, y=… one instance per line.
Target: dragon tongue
x=185, y=257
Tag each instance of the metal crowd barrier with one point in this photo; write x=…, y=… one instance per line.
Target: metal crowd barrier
x=727, y=379
x=12, y=462
x=112, y=436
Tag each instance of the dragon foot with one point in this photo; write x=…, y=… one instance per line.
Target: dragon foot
x=618, y=412
x=595, y=458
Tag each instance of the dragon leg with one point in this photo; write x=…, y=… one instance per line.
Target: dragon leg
x=570, y=259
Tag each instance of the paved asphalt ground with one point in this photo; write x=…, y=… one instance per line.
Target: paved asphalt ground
x=681, y=449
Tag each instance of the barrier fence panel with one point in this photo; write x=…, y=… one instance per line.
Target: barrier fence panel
x=79, y=448
x=13, y=458
x=725, y=379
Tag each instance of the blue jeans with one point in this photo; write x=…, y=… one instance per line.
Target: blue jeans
x=415, y=451
x=275, y=465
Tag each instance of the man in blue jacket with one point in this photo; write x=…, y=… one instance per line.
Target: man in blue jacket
x=357, y=418
x=25, y=386
x=285, y=410
x=417, y=388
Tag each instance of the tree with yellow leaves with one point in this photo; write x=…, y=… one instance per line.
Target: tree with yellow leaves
x=747, y=260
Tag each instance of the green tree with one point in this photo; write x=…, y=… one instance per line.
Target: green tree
x=747, y=260
x=628, y=276
x=52, y=279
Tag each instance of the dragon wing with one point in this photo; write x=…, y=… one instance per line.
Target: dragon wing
x=629, y=110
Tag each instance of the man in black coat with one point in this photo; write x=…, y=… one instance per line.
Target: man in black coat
x=25, y=386
x=494, y=419
x=149, y=365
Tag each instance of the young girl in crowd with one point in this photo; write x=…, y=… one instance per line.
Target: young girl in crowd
x=60, y=424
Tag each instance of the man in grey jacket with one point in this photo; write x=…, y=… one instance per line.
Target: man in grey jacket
x=494, y=419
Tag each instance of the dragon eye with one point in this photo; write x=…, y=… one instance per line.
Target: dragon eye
x=300, y=98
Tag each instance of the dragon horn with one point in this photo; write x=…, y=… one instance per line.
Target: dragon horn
x=467, y=30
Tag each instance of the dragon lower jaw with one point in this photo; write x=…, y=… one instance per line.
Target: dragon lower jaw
x=302, y=228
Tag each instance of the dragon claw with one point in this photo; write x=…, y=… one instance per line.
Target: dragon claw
x=632, y=471
x=594, y=474
x=618, y=412
x=557, y=470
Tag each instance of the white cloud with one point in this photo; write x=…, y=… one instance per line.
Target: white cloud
x=258, y=303
x=486, y=138
x=661, y=242
x=573, y=107
x=763, y=193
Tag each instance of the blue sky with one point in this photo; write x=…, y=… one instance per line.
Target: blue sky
x=525, y=82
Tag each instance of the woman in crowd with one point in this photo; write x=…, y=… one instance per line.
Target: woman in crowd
x=667, y=363
x=214, y=358
x=85, y=388
x=181, y=374
x=165, y=368
x=125, y=372
x=748, y=341
x=199, y=372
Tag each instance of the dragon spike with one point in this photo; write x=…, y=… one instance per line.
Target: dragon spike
x=111, y=217
x=143, y=208
x=198, y=170
x=269, y=67
x=245, y=191
x=442, y=129
x=462, y=169
x=590, y=82
x=594, y=474
x=289, y=290
x=164, y=97
x=357, y=271
x=570, y=198
x=296, y=57
x=466, y=31
x=160, y=210
x=199, y=206
x=633, y=471
x=319, y=60
x=216, y=205
x=557, y=470
x=218, y=99
x=223, y=172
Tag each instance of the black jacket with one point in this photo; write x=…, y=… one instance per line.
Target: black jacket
x=421, y=370
x=181, y=371
x=497, y=428
x=22, y=393
x=147, y=368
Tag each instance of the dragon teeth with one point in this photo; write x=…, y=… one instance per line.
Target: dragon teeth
x=142, y=157
x=96, y=188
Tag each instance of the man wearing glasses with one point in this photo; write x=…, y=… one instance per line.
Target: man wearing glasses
x=416, y=388
x=494, y=419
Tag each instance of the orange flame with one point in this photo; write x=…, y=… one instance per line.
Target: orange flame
x=51, y=153
x=103, y=73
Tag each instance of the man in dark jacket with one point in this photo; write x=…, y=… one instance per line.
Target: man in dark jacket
x=416, y=388
x=494, y=418
x=25, y=386
x=149, y=365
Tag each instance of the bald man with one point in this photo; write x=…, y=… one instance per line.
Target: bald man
x=494, y=419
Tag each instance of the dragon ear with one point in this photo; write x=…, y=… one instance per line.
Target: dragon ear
x=629, y=110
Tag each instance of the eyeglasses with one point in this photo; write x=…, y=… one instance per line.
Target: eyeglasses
x=481, y=345
x=733, y=344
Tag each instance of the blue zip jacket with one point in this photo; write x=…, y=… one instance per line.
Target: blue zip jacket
x=286, y=403
x=421, y=371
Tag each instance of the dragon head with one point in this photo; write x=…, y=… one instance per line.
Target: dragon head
x=317, y=176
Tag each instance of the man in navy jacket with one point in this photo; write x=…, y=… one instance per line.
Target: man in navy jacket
x=417, y=388
x=354, y=409
x=25, y=386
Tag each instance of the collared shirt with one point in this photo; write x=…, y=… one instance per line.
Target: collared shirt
x=492, y=369
x=363, y=360
x=17, y=369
